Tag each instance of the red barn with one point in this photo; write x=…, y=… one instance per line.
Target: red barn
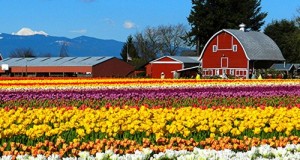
x=238, y=53
x=66, y=67
x=168, y=65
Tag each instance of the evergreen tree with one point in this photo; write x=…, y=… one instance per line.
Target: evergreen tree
x=129, y=52
x=209, y=16
x=286, y=35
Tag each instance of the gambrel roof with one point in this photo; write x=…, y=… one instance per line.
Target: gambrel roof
x=256, y=45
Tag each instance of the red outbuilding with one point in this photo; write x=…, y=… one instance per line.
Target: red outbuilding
x=65, y=67
x=238, y=53
x=168, y=65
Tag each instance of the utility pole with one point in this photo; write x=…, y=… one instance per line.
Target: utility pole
x=127, y=51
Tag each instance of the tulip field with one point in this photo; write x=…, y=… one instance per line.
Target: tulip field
x=90, y=118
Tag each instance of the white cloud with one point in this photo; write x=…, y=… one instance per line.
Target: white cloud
x=29, y=32
x=129, y=25
x=1, y=37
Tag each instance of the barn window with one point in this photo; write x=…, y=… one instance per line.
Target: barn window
x=232, y=72
x=205, y=72
x=234, y=48
x=215, y=48
x=240, y=72
x=210, y=72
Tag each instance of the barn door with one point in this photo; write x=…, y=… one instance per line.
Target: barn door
x=224, y=62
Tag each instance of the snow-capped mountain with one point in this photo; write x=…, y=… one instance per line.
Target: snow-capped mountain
x=43, y=44
x=29, y=32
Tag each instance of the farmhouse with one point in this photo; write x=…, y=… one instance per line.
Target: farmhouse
x=168, y=65
x=65, y=67
x=238, y=53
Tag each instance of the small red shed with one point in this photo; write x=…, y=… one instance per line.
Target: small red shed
x=238, y=53
x=167, y=65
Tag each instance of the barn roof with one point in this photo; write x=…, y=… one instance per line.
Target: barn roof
x=297, y=65
x=257, y=45
x=55, y=61
x=185, y=59
x=282, y=67
x=181, y=59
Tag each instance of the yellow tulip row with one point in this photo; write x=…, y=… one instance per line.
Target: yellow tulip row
x=60, y=83
x=162, y=122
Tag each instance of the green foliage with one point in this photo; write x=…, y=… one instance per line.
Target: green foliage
x=209, y=16
x=130, y=49
x=138, y=62
x=286, y=35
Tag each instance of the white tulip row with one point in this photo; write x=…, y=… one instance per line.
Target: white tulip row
x=215, y=83
x=291, y=151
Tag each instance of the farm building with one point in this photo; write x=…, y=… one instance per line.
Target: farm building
x=292, y=70
x=168, y=65
x=65, y=67
x=238, y=53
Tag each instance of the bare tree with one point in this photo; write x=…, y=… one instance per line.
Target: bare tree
x=22, y=53
x=154, y=42
x=146, y=47
x=171, y=37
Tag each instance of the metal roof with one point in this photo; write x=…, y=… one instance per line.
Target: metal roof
x=185, y=69
x=282, y=67
x=297, y=65
x=185, y=59
x=257, y=45
x=54, y=61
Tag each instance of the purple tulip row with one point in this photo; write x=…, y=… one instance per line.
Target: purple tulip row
x=153, y=93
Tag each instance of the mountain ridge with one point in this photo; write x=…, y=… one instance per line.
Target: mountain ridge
x=47, y=44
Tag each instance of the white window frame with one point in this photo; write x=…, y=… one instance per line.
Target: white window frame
x=234, y=48
x=231, y=71
x=226, y=58
x=215, y=48
x=210, y=72
x=217, y=72
x=224, y=71
x=239, y=71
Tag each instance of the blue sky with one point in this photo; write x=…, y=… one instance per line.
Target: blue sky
x=109, y=19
